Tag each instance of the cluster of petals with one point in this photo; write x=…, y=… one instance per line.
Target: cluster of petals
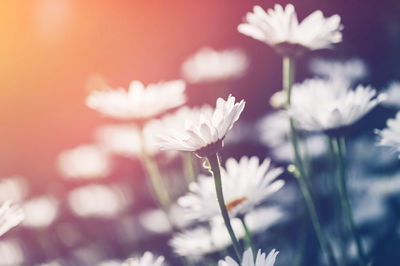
x=245, y=183
x=319, y=104
x=10, y=216
x=249, y=260
x=204, y=128
x=280, y=26
x=390, y=136
x=138, y=102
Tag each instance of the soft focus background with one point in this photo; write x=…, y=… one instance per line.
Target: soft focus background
x=50, y=50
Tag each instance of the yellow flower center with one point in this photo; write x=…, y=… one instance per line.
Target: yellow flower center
x=233, y=203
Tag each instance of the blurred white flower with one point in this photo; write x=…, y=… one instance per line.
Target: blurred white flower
x=148, y=259
x=10, y=216
x=390, y=136
x=40, y=212
x=278, y=99
x=205, y=134
x=139, y=102
x=245, y=183
x=348, y=71
x=249, y=260
x=110, y=263
x=14, y=188
x=393, y=95
x=279, y=28
x=319, y=104
x=98, y=201
x=209, y=65
x=202, y=240
x=11, y=253
x=262, y=218
x=125, y=140
x=160, y=222
x=85, y=161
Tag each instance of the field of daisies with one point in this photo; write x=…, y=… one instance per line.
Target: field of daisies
x=313, y=180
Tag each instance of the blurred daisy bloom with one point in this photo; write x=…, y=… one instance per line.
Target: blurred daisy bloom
x=246, y=184
x=148, y=259
x=10, y=216
x=389, y=136
x=85, y=161
x=203, y=240
x=280, y=29
x=126, y=140
x=319, y=105
x=393, y=95
x=348, y=71
x=204, y=133
x=248, y=259
x=208, y=65
x=138, y=102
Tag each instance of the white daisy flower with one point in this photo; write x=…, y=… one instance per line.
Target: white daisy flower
x=389, y=136
x=40, y=212
x=200, y=241
x=280, y=29
x=245, y=183
x=98, y=201
x=148, y=259
x=85, y=161
x=248, y=259
x=205, y=134
x=348, y=71
x=319, y=104
x=139, y=102
x=10, y=216
x=208, y=65
x=125, y=140
x=393, y=95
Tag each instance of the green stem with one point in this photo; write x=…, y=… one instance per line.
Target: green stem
x=337, y=202
x=339, y=145
x=155, y=176
x=215, y=170
x=188, y=167
x=247, y=237
x=288, y=74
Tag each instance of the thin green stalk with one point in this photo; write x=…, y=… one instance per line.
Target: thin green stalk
x=338, y=144
x=247, y=237
x=337, y=202
x=288, y=75
x=155, y=177
x=188, y=167
x=215, y=170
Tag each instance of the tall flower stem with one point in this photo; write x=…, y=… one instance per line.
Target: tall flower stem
x=337, y=202
x=288, y=77
x=188, y=167
x=155, y=177
x=215, y=170
x=247, y=236
x=339, y=148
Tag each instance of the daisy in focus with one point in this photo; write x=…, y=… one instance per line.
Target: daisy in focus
x=148, y=259
x=205, y=133
x=246, y=184
x=280, y=29
x=138, y=102
x=208, y=65
x=248, y=259
x=389, y=136
x=319, y=105
x=10, y=216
